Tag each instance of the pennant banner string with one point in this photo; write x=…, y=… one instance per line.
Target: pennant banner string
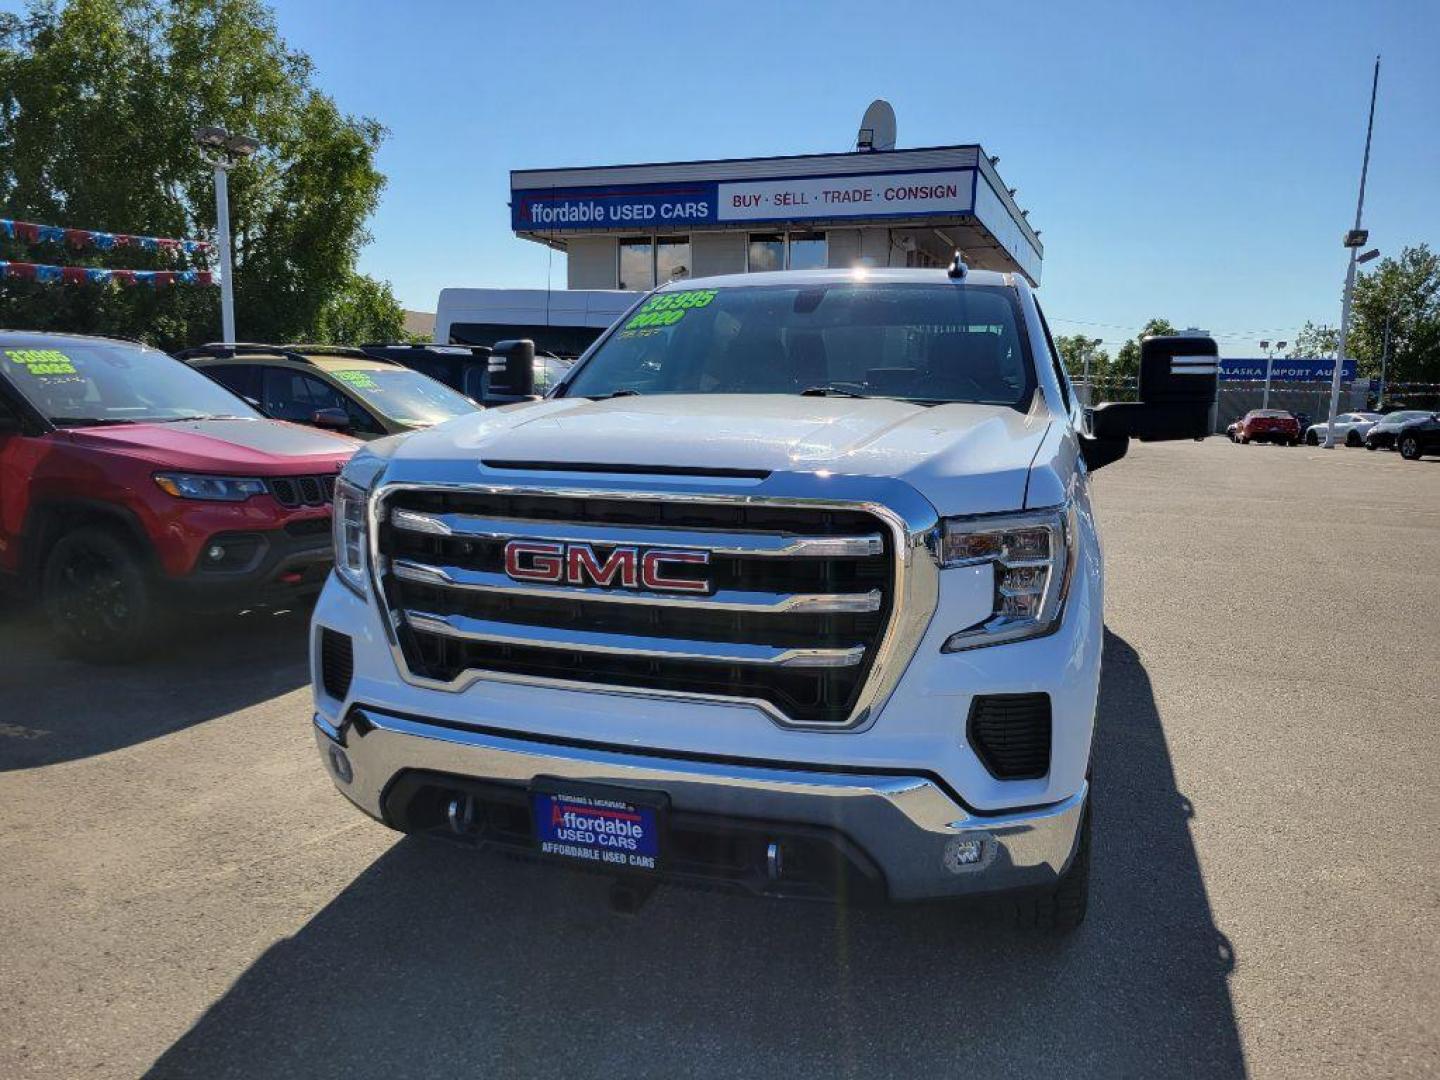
x=30, y=233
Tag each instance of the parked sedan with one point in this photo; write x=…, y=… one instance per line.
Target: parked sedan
x=1269, y=425
x=1350, y=428
x=1419, y=437
x=1382, y=435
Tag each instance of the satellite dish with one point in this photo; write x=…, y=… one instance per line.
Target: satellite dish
x=877, y=127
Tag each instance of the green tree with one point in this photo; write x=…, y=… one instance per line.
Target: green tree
x=1406, y=291
x=1314, y=342
x=365, y=310
x=98, y=103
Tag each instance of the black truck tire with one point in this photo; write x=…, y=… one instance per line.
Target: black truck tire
x=100, y=597
x=1061, y=908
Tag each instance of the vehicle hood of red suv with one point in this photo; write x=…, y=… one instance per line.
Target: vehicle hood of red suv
x=230, y=447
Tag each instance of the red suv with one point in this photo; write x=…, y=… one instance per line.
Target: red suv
x=1268, y=425
x=132, y=486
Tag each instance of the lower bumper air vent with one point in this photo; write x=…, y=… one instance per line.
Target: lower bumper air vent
x=337, y=663
x=1010, y=733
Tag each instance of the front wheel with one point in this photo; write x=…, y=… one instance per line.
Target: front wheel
x=1312, y=439
x=1061, y=909
x=1410, y=448
x=1352, y=439
x=100, y=598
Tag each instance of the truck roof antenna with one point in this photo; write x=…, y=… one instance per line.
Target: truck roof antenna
x=958, y=269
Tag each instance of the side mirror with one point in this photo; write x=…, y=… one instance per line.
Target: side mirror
x=330, y=419
x=514, y=364
x=1179, y=386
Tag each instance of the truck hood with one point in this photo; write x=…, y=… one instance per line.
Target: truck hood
x=256, y=447
x=964, y=458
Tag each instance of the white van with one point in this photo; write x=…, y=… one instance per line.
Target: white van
x=560, y=321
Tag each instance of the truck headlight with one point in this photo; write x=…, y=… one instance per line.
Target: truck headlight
x=209, y=488
x=1032, y=554
x=351, y=524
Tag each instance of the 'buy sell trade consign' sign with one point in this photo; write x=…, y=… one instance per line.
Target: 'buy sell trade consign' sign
x=884, y=195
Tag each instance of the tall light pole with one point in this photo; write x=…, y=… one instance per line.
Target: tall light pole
x=1354, y=240
x=1269, y=363
x=223, y=151
x=1384, y=362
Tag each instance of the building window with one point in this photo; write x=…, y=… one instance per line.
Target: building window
x=637, y=264
x=645, y=263
x=672, y=258
x=787, y=251
x=767, y=252
x=808, y=251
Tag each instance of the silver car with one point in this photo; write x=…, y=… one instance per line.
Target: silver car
x=1350, y=428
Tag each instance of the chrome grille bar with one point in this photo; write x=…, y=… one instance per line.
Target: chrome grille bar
x=457, y=577
x=757, y=544
x=570, y=639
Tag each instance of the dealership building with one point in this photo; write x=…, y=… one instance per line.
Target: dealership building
x=633, y=226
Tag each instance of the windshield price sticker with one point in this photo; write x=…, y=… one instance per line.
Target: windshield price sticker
x=361, y=380
x=667, y=309
x=42, y=363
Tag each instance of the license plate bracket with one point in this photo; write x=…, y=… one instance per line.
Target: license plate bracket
x=599, y=825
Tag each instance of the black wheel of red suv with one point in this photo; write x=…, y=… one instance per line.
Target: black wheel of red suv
x=1410, y=447
x=100, y=597
x=1061, y=908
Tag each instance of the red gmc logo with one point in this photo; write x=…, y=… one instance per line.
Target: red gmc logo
x=625, y=567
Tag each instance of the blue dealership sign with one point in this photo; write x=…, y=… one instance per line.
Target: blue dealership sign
x=640, y=206
x=1285, y=370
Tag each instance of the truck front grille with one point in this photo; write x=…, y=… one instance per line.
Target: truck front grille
x=789, y=608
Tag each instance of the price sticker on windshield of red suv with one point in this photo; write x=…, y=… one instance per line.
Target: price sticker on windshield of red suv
x=604, y=828
x=42, y=363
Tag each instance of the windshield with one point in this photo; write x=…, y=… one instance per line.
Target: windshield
x=920, y=342
x=1403, y=417
x=74, y=383
x=405, y=396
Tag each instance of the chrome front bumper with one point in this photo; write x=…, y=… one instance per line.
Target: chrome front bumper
x=918, y=835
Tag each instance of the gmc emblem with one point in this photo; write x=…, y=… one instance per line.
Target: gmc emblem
x=625, y=567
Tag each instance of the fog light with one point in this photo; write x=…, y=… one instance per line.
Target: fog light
x=963, y=853
x=340, y=765
x=216, y=552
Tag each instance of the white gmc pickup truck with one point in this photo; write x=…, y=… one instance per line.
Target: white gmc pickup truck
x=792, y=586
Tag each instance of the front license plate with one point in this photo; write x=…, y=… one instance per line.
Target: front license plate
x=603, y=827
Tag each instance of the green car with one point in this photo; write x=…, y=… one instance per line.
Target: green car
x=331, y=387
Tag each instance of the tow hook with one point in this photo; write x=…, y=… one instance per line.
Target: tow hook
x=461, y=814
x=628, y=897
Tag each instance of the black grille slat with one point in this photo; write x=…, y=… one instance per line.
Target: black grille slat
x=295, y=491
x=1010, y=733
x=810, y=695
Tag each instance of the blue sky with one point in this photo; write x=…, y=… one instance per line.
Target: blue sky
x=1196, y=161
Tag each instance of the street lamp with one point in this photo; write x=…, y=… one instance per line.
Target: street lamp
x=1355, y=239
x=1269, y=360
x=223, y=150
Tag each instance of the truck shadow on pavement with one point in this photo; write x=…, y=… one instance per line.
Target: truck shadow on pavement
x=54, y=709
x=436, y=961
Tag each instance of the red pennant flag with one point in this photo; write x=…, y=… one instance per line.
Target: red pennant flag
x=22, y=271
x=164, y=277
x=72, y=275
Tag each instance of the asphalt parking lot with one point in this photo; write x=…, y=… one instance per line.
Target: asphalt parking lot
x=184, y=894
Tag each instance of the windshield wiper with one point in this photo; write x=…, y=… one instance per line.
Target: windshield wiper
x=198, y=416
x=830, y=390
x=625, y=391
x=88, y=421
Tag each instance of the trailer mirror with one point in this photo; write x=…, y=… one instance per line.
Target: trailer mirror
x=1179, y=383
x=512, y=368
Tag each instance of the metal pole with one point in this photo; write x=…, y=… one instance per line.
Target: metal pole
x=222, y=225
x=1384, y=360
x=1350, y=273
x=1089, y=397
x=1269, y=360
